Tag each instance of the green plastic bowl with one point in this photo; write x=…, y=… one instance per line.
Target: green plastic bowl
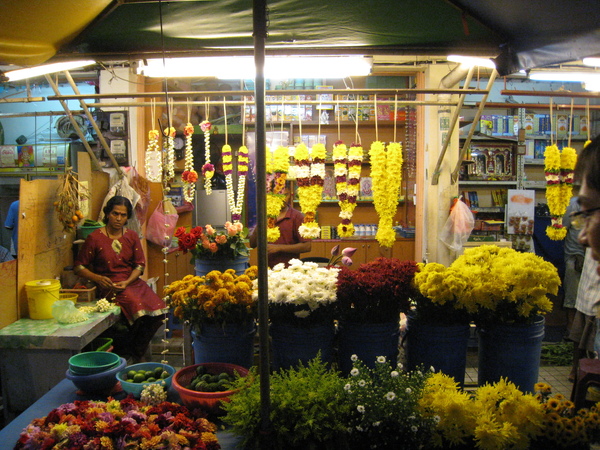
x=88, y=363
x=136, y=388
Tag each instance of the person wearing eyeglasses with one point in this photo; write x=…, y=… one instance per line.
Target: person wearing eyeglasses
x=587, y=220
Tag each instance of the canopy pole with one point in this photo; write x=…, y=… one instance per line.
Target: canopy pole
x=259, y=15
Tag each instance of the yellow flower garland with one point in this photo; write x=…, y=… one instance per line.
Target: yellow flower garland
x=310, y=173
x=189, y=175
x=153, y=157
x=347, y=167
x=386, y=172
x=558, y=168
x=278, y=164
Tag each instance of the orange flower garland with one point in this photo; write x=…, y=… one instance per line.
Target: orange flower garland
x=558, y=167
x=189, y=175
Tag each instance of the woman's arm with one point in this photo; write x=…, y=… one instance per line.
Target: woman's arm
x=100, y=280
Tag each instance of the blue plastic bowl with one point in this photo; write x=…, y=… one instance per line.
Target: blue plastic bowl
x=97, y=382
x=136, y=388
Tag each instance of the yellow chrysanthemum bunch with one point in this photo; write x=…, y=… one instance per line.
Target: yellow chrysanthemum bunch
x=278, y=164
x=558, y=167
x=496, y=417
x=386, y=172
x=347, y=168
x=497, y=284
x=218, y=297
x=310, y=174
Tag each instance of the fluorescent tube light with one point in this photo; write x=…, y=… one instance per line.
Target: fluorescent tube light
x=472, y=61
x=30, y=72
x=242, y=67
x=592, y=62
x=590, y=80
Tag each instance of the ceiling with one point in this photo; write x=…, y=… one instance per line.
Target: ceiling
x=518, y=34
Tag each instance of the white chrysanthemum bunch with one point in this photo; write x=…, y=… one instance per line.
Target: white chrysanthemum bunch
x=101, y=305
x=301, y=284
x=154, y=394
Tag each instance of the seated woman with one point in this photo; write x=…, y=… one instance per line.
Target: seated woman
x=112, y=257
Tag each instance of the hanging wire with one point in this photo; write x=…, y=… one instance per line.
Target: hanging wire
x=570, y=123
x=552, y=128
x=376, y=122
x=244, y=123
x=225, y=116
x=299, y=121
x=395, y=116
x=337, y=98
x=587, y=116
x=319, y=126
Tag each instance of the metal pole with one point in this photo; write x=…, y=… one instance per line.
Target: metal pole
x=259, y=15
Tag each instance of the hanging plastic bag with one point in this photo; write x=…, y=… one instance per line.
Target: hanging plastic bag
x=458, y=227
x=142, y=186
x=162, y=223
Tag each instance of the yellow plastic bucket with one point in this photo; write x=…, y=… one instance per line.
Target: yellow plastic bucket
x=41, y=294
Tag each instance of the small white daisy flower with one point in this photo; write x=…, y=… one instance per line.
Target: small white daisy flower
x=362, y=383
x=394, y=374
x=381, y=359
x=360, y=409
x=353, y=358
x=408, y=390
x=354, y=372
x=347, y=387
x=390, y=396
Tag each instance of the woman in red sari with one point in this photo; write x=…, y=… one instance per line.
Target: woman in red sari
x=112, y=257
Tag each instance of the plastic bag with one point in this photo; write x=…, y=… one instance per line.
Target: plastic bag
x=64, y=311
x=162, y=223
x=458, y=227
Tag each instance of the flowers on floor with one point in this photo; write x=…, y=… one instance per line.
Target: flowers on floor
x=119, y=424
x=558, y=167
x=383, y=407
x=217, y=297
x=386, y=172
x=302, y=293
x=208, y=243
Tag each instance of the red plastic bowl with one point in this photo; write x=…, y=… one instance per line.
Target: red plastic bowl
x=210, y=402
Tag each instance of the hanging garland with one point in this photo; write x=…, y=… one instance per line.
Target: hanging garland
x=310, y=175
x=169, y=167
x=558, y=167
x=386, y=172
x=347, y=167
x=152, y=160
x=235, y=204
x=208, y=170
x=189, y=175
x=278, y=164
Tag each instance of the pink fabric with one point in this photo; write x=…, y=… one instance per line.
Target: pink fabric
x=97, y=254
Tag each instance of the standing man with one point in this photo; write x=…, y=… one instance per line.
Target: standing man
x=290, y=244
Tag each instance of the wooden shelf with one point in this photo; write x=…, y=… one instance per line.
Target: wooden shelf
x=488, y=183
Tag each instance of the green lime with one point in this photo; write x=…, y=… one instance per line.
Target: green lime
x=224, y=376
x=139, y=378
x=150, y=380
x=164, y=374
x=158, y=371
x=131, y=374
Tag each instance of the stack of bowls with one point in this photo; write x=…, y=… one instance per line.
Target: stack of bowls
x=95, y=371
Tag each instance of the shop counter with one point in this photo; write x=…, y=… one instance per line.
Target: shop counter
x=34, y=355
x=65, y=392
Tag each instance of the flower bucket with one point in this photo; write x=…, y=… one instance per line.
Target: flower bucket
x=230, y=343
x=41, y=294
x=367, y=341
x=443, y=347
x=511, y=351
x=203, y=266
x=291, y=344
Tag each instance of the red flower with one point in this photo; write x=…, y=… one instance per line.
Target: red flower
x=180, y=231
x=187, y=242
x=197, y=232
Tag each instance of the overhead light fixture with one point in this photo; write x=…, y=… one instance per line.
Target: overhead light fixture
x=592, y=62
x=30, y=72
x=472, y=61
x=242, y=67
x=590, y=80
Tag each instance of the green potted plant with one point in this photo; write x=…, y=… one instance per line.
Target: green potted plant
x=369, y=302
x=307, y=409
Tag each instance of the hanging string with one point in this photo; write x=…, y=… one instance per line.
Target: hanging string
x=319, y=126
x=206, y=108
x=395, y=115
x=282, y=115
x=225, y=116
x=376, y=121
x=570, y=123
x=356, y=136
x=153, y=112
x=552, y=128
x=587, y=117
x=339, y=113
x=299, y=120
x=244, y=123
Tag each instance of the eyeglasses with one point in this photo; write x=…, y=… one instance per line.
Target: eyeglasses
x=580, y=218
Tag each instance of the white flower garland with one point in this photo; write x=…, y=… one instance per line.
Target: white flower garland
x=189, y=175
x=208, y=170
x=235, y=204
x=153, y=164
x=169, y=167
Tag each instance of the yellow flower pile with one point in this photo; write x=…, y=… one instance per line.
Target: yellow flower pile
x=386, y=172
x=499, y=284
x=558, y=168
x=310, y=173
x=218, y=297
x=495, y=417
x=278, y=164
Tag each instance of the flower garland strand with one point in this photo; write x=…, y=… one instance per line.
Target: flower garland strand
x=347, y=168
x=310, y=175
x=189, y=175
x=208, y=170
x=169, y=167
x=386, y=172
x=278, y=164
x=558, y=169
x=235, y=204
x=152, y=160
